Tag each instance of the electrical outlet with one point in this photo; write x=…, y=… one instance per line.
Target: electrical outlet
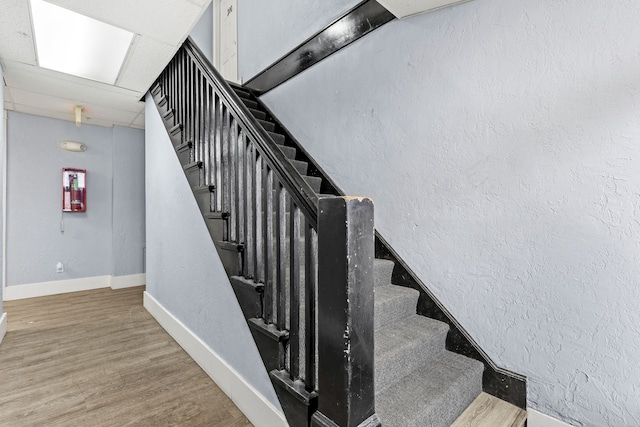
x=59, y=267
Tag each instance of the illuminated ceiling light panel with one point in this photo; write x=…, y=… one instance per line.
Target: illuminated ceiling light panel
x=76, y=44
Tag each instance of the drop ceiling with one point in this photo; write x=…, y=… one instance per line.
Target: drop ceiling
x=160, y=27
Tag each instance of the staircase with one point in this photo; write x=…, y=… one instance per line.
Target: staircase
x=417, y=382
x=247, y=195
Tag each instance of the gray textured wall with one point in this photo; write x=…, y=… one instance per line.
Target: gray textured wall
x=202, y=33
x=184, y=272
x=128, y=201
x=109, y=237
x=499, y=140
x=34, y=201
x=267, y=30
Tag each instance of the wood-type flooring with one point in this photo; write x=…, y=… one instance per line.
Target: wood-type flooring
x=97, y=358
x=489, y=411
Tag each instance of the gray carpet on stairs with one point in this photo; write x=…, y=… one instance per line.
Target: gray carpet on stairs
x=418, y=383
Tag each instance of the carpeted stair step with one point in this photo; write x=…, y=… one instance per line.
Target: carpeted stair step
x=249, y=103
x=382, y=269
x=300, y=166
x=277, y=138
x=258, y=114
x=433, y=395
x=268, y=126
x=393, y=304
x=314, y=181
x=289, y=152
x=405, y=346
x=244, y=94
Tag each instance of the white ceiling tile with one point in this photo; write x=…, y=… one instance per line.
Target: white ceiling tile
x=21, y=82
x=163, y=20
x=39, y=111
x=16, y=37
x=93, y=112
x=16, y=71
x=43, y=101
x=146, y=61
x=89, y=110
x=55, y=114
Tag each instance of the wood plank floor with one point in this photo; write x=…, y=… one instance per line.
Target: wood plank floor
x=489, y=411
x=97, y=358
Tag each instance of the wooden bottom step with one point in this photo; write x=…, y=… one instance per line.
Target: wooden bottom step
x=489, y=411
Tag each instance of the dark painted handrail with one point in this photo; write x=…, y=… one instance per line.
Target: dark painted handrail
x=313, y=256
x=299, y=189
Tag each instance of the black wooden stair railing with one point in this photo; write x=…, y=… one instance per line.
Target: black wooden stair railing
x=301, y=264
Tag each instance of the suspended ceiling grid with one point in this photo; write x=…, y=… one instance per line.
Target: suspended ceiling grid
x=160, y=27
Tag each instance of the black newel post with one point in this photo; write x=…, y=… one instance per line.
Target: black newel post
x=345, y=313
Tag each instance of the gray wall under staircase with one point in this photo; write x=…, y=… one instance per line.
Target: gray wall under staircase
x=498, y=140
x=184, y=272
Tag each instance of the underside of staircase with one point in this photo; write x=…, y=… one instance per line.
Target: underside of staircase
x=417, y=381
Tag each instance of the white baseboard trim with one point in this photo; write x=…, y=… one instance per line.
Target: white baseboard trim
x=252, y=404
x=33, y=290
x=42, y=289
x=3, y=326
x=130, y=281
x=538, y=419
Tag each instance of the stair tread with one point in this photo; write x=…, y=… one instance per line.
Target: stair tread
x=204, y=188
x=216, y=215
x=433, y=395
x=242, y=93
x=489, y=411
x=258, y=114
x=314, y=182
x=301, y=166
x=184, y=146
x=406, y=345
x=193, y=165
x=289, y=152
x=268, y=126
x=249, y=102
x=278, y=138
x=393, y=303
